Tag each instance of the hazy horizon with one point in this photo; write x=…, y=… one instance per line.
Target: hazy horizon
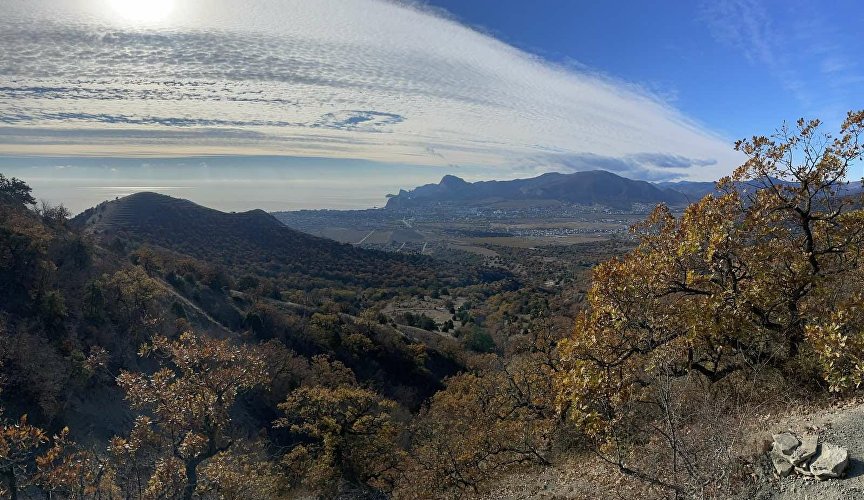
x=269, y=183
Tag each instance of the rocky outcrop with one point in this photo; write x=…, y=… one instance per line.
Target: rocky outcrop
x=807, y=457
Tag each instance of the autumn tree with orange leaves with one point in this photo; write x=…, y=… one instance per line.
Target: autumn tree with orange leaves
x=185, y=420
x=20, y=444
x=765, y=275
x=32, y=459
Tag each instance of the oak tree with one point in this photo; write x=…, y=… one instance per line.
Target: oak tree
x=187, y=405
x=350, y=433
x=764, y=273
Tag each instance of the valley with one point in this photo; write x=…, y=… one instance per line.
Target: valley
x=472, y=229
x=490, y=219
x=467, y=322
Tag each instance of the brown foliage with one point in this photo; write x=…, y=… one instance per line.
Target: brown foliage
x=487, y=422
x=188, y=404
x=351, y=432
x=742, y=282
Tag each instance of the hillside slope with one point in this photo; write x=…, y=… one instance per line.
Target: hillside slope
x=841, y=422
x=184, y=225
x=258, y=239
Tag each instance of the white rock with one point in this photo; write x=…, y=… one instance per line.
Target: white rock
x=830, y=462
x=781, y=464
x=803, y=471
x=785, y=443
x=805, y=451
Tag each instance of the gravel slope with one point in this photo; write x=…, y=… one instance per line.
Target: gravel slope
x=842, y=425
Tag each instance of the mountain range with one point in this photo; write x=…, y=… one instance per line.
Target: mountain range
x=595, y=187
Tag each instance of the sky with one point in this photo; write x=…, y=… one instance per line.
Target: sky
x=282, y=104
x=739, y=67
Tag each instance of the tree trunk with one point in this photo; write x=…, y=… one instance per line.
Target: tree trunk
x=191, y=479
x=12, y=483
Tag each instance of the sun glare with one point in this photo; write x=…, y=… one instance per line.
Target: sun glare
x=143, y=11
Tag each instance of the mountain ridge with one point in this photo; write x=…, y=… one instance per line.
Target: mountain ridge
x=254, y=239
x=595, y=187
x=592, y=187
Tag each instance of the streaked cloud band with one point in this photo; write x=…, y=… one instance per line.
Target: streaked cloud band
x=363, y=79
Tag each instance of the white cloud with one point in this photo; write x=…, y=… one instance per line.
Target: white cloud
x=363, y=79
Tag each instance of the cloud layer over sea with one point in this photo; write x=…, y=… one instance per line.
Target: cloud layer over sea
x=345, y=79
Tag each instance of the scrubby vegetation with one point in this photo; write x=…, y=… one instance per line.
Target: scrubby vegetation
x=148, y=363
x=181, y=375
x=747, y=290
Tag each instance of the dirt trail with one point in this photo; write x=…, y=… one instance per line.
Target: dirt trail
x=192, y=306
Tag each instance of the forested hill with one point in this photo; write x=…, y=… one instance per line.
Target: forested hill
x=257, y=242
x=93, y=319
x=596, y=187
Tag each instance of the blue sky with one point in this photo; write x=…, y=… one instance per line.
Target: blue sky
x=361, y=97
x=738, y=66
